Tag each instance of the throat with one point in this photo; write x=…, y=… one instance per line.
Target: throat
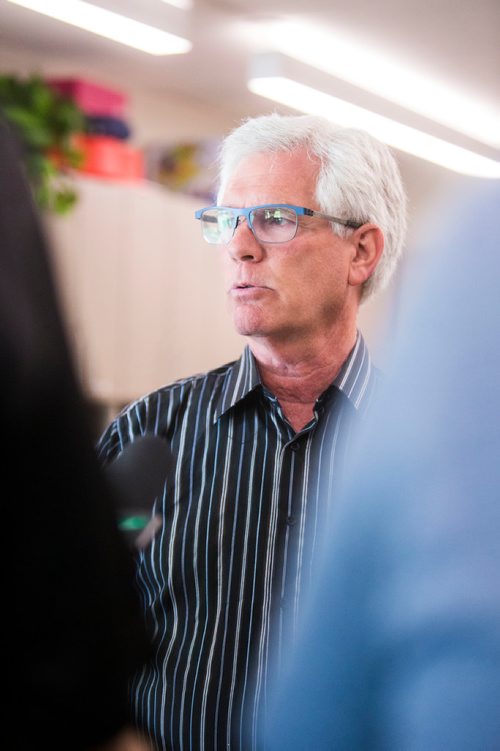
x=298, y=414
x=297, y=379
x=297, y=394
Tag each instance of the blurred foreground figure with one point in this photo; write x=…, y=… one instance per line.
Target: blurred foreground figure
x=72, y=629
x=400, y=650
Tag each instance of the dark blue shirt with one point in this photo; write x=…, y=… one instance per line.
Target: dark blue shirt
x=244, y=506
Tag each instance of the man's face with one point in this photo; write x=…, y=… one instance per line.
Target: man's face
x=297, y=289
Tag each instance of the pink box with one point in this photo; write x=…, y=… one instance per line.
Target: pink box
x=92, y=98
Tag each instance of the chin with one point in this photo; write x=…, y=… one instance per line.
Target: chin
x=249, y=325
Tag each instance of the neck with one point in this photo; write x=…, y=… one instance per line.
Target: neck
x=298, y=373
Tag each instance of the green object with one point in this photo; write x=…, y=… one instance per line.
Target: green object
x=132, y=523
x=45, y=122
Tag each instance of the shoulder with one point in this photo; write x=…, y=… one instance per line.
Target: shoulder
x=159, y=411
x=183, y=389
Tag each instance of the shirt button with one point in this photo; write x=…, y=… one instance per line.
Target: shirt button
x=295, y=446
x=290, y=520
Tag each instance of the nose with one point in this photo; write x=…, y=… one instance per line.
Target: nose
x=243, y=246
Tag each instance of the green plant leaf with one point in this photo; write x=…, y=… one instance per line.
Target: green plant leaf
x=45, y=121
x=64, y=200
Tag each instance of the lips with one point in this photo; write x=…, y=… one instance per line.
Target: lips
x=245, y=284
x=248, y=287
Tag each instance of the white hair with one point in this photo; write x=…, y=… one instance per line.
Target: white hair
x=358, y=178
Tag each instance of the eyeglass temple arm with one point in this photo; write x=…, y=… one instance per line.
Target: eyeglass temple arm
x=345, y=222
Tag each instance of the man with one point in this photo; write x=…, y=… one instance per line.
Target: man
x=73, y=632
x=400, y=642
x=310, y=221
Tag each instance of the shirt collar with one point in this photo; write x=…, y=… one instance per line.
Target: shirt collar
x=354, y=379
x=243, y=377
x=357, y=375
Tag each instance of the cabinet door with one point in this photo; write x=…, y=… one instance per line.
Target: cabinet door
x=142, y=292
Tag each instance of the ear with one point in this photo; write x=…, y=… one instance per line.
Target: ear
x=368, y=243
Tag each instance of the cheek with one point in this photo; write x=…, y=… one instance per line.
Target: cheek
x=312, y=271
x=323, y=283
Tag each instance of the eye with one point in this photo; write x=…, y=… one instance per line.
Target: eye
x=225, y=221
x=274, y=216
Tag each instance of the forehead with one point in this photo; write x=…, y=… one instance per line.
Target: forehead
x=279, y=177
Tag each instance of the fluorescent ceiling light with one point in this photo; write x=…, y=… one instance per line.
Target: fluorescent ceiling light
x=307, y=99
x=182, y=4
x=373, y=70
x=110, y=25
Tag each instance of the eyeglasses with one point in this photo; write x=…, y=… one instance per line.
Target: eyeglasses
x=270, y=223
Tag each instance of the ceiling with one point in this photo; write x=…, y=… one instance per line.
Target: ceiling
x=453, y=41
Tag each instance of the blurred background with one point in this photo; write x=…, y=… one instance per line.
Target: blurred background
x=141, y=292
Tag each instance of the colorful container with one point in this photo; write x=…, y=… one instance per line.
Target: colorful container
x=92, y=98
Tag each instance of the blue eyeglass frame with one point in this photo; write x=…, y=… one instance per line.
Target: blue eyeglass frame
x=299, y=211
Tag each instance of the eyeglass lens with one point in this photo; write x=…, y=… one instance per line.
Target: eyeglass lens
x=273, y=224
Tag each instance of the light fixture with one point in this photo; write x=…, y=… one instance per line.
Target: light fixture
x=302, y=88
x=182, y=4
x=111, y=25
x=359, y=62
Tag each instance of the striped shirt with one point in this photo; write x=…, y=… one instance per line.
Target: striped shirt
x=243, y=508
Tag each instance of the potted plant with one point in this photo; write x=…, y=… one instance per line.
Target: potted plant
x=46, y=123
